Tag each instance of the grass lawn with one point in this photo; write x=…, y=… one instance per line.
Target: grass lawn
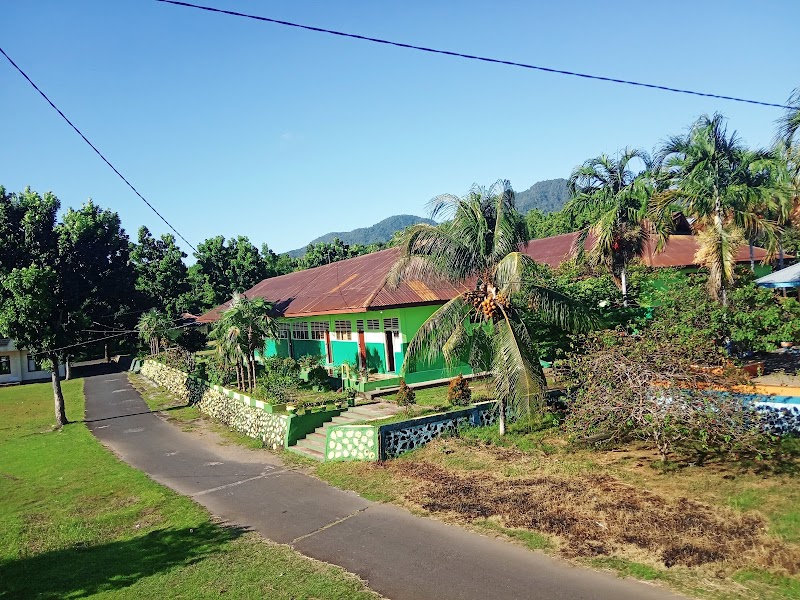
x=77, y=522
x=717, y=531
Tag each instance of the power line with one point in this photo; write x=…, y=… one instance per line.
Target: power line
x=92, y=146
x=510, y=63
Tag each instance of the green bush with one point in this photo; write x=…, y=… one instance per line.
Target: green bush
x=459, y=393
x=310, y=361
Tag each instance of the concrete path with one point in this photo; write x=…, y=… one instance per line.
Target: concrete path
x=401, y=556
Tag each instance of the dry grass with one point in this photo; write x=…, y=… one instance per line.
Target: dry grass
x=598, y=515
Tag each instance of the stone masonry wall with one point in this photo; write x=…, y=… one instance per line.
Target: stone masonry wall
x=235, y=410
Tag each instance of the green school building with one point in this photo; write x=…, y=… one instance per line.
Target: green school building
x=347, y=314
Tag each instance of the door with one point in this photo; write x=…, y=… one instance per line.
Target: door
x=328, y=351
x=390, y=351
x=362, y=350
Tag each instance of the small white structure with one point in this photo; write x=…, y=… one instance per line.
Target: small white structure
x=17, y=366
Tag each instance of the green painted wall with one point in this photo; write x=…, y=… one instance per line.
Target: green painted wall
x=410, y=318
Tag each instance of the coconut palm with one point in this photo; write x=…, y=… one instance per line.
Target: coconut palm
x=155, y=326
x=789, y=124
x=241, y=332
x=619, y=195
x=479, y=245
x=727, y=188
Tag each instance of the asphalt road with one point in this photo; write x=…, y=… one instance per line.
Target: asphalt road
x=401, y=556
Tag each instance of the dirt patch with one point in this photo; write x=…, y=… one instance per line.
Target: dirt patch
x=598, y=515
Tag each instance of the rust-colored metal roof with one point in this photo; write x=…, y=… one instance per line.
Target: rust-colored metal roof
x=348, y=286
x=359, y=284
x=679, y=251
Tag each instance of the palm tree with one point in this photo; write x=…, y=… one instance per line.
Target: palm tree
x=242, y=331
x=153, y=327
x=479, y=243
x=788, y=144
x=611, y=189
x=727, y=188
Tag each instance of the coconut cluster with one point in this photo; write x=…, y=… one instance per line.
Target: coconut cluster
x=487, y=302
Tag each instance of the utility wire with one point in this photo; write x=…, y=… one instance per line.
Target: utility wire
x=93, y=147
x=474, y=57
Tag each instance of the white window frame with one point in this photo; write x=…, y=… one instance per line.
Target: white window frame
x=284, y=330
x=343, y=330
x=36, y=366
x=300, y=330
x=318, y=329
x=5, y=359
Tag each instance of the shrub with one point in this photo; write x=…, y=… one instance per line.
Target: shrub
x=279, y=366
x=459, y=393
x=318, y=378
x=309, y=361
x=405, y=395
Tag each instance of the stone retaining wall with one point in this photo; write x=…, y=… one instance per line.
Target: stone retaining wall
x=233, y=409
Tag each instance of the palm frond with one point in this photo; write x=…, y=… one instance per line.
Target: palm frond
x=559, y=309
x=428, y=343
x=518, y=376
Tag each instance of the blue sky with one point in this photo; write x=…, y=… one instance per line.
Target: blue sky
x=235, y=127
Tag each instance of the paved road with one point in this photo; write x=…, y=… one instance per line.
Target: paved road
x=401, y=556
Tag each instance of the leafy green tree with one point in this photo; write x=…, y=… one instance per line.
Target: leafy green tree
x=479, y=241
x=325, y=253
x=277, y=264
x=59, y=279
x=228, y=267
x=619, y=195
x=727, y=188
x=161, y=274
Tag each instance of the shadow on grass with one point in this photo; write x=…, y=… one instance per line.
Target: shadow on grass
x=81, y=571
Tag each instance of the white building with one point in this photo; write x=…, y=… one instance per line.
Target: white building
x=16, y=366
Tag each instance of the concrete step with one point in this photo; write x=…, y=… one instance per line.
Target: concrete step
x=309, y=452
x=313, y=443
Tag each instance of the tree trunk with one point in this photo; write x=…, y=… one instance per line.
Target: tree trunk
x=624, y=278
x=752, y=257
x=780, y=254
x=58, y=396
x=105, y=353
x=68, y=368
x=502, y=418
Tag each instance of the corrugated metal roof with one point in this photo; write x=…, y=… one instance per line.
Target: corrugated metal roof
x=679, y=251
x=785, y=278
x=359, y=284
x=348, y=286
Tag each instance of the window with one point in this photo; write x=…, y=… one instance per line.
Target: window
x=34, y=364
x=360, y=326
x=344, y=330
x=300, y=330
x=5, y=365
x=373, y=324
x=391, y=324
x=318, y=329
x=283, y=331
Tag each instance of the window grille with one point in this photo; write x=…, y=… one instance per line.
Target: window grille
x=300, y=330
x=360, y=325
x=283, y=331
x=391, y=324
x=344, y=330
x=373, y=324
x=318, y=329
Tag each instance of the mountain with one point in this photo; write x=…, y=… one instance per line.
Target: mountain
x=548, y=196
x=380, y=232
